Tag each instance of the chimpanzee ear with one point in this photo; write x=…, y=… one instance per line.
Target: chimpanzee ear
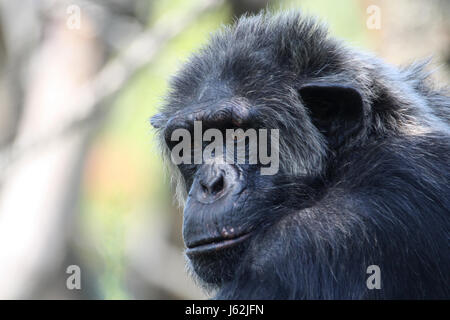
x=334, y=108
x=157, y=121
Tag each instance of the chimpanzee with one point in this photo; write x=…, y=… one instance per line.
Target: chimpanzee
x=363, y=182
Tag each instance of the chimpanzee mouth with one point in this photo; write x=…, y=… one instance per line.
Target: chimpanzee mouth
x=215, y=244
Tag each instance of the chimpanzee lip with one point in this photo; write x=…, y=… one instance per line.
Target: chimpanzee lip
x=216, y=244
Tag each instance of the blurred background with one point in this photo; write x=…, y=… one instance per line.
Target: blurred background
x=81, y=180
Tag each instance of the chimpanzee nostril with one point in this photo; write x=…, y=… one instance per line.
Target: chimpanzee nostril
x=214, y=185
x=218, y=185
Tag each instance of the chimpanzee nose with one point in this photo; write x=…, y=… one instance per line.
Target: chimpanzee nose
x=213, y=182
x=212, y=185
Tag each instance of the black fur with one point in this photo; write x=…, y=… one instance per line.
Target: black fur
x=364, y=165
